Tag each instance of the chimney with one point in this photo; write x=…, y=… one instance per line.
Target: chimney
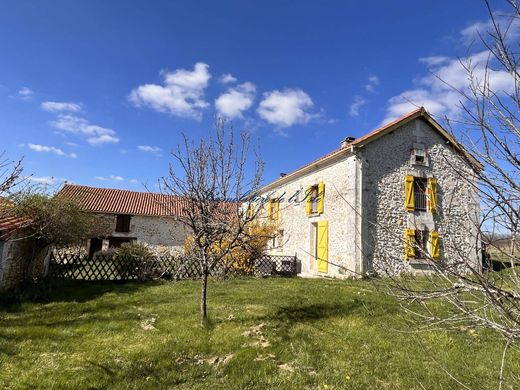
x=347, y=141
x=283, y=174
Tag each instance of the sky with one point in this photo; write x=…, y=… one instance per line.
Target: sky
x=99, y=92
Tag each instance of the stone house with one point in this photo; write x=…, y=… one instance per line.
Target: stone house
x=401, y=198
x=133, y=216
x=12, y=230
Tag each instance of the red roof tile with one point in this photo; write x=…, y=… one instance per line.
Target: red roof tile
x=114, y=201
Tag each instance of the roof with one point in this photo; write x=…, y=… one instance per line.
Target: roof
x=115, y=201
x=9, y=223
x=372, y=136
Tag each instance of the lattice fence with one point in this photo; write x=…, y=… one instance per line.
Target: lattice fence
x=108, y=267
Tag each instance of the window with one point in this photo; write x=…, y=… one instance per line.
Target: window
x=313, y=197
x=277, y=240
x=420, y=187
x=420, y=194
x=419, y=157
x=123, y=223
x=280, y=239
x=421, y=244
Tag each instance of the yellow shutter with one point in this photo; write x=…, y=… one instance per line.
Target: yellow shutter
x=250, y=211
x=321, y=194
x=408, y=193
x=276, y=209
x=435, y=251
x=432, y=195
x=409, y=244
x=269, y=209
x=308, y=201
x=323, y=246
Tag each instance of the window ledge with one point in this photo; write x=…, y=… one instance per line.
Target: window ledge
x=422, y=262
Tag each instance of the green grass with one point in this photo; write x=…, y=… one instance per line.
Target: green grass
x=263, y=333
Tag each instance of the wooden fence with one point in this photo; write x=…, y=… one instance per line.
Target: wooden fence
x=108, y=267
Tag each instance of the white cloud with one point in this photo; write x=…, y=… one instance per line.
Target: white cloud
x=236, y=100
x=227, y=78
x=285, y=108
x=24, y=93
x=356, y=105
x=149, y=149
x=437, y=91
x=110, y=178
x=50, y=149
x=60, y=106
x=46, y=180
x=133, y=181
x=95, y=135
x=182, y=92
x=372, y=83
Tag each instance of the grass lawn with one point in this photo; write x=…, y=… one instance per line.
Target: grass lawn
x=264, y=334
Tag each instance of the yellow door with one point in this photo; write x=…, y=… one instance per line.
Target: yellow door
x=322, y=246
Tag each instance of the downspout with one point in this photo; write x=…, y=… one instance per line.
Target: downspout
x=358, y=204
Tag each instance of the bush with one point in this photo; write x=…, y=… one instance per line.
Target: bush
x=135, y=260
x=241, y=259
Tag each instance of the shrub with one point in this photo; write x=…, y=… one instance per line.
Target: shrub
x=242, y=259
x=135, y=260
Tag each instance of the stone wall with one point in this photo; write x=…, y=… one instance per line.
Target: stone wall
x=299, y=234
x=386, y=162
x=154, y=231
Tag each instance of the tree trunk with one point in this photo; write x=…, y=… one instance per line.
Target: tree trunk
x=203, y=297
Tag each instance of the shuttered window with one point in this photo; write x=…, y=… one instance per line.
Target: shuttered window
x=123, y=223
x=420, y=194
x=315, y=199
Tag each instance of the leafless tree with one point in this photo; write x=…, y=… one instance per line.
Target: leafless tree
x=214, y=178
x=489, y=127
x=10, y=174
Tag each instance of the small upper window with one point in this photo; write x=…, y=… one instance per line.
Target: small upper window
x=123, y=223
x=419, y=157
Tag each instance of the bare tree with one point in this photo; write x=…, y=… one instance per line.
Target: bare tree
x=10, y=174
x=213, y=179
x=489, y=126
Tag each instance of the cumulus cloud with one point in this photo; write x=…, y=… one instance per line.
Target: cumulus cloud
x=95, y=135
x=372, y=83
x=356, y=105
x=286, y=107
x=236, y=100
x=227, y=78
x=50, y=149
x=181, y=93
x=60, y=106
x=149, y=149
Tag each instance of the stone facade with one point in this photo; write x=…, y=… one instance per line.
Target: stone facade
x=162, y=234
x=386, y=162
x=364, y=204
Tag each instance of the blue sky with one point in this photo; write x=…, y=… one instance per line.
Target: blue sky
x=98, y=92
